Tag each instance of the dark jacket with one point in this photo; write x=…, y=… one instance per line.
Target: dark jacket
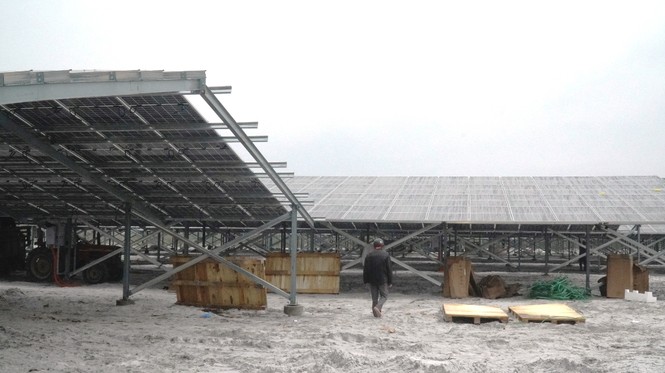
x=377, y=268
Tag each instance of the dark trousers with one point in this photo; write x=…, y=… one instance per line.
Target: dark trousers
x=379, y=295
x=582, y=262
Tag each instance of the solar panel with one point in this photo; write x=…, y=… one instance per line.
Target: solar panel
x=487, y=200
x=154, y=147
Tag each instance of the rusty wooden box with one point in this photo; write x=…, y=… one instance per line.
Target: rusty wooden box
x=316, y=273
x=209, y=283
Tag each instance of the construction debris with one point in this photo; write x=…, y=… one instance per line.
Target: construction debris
x=493, y=287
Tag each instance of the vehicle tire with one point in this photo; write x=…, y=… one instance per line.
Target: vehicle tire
x=39, y=265
x=5, y=269
x=96, y=274
x=115, y=269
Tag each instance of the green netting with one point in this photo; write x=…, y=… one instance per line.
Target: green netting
x=560, y=288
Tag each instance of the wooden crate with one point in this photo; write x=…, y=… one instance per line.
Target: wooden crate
x=212, y=284
x=619, y=274
x=316, y=273
x=456, y=277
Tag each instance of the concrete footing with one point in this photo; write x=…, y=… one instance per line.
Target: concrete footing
x=294, y=309
x=124, y=302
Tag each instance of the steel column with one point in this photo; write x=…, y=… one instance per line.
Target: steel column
x=293, y=252
x=587, y=255
x=127, y=252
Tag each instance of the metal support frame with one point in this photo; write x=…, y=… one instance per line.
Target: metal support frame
x=350, y=237
x=220, y=110
x=652, y=254
x=61, y=88
x=115, y=252
x=256, y=249
x=587, y=262
x=137, y=208
x=418, y=247
x=415, y=271
x=214, y=254
x=652, y=258
x=127, y=252
x=293, y=253
x=482, y=247
x=387, y=247
x=54, y=154
x=136, y=242
x=596, y=250
x=548, y=248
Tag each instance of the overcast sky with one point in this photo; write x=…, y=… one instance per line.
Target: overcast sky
x=405, y=88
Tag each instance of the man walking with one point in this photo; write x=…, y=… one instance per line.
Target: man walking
x=582, y=250
x=377, y=272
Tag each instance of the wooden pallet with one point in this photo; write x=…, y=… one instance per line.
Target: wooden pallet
x=555, y=313
x=477, y=314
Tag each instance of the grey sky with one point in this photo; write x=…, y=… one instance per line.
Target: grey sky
x=392, y=88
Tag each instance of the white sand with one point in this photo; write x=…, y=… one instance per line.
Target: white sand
x=45, y=328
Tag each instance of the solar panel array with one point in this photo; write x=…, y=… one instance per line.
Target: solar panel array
x=156, y=148
x=486, y=200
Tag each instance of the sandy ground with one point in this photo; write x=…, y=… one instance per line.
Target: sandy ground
x=45, y=328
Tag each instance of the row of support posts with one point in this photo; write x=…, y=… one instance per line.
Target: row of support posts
x=293, y=308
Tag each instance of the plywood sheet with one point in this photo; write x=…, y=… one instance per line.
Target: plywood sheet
x=452, y=312
x=316, y=273
x=555, y=313
x=619, y=275
x=640, y=278
x=456, y=277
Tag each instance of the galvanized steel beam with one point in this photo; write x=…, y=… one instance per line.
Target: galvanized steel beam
x=38, y=86
x=162, y=127
x=221, y=111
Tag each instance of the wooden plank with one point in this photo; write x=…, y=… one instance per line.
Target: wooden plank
x=475, y=313
x=640, y=278
x=301, y=273
x=212, y=284
x=619, y=274
x=555, y=313
x=316, y=273
x=456, y=277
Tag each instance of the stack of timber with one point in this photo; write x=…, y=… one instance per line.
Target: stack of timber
x=212, y=284
x=316, y=273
